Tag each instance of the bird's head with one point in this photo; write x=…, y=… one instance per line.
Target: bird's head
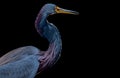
x=51, y=9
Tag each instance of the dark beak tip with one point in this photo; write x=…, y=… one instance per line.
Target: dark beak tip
x=77, y=13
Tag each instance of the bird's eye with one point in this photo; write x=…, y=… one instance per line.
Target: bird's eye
x=57, y=8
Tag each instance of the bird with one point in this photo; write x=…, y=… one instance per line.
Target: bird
x=27, y=61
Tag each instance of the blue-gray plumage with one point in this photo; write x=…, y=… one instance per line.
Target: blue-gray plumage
x=25, y=62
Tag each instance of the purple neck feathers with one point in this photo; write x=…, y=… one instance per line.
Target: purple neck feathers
x=47, y=30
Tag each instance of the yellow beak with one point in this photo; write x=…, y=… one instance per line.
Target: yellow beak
x=64, y=11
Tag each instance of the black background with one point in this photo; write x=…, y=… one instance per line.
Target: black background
x=81, y=35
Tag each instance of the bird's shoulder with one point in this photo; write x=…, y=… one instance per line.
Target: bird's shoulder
x=25, y=68
x=18, y=54
x=25, y=48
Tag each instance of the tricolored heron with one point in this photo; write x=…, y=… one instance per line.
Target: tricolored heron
x=25, y=62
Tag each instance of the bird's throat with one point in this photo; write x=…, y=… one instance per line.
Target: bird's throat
x=51, y=33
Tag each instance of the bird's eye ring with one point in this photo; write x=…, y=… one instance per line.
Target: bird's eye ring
x=57, y=9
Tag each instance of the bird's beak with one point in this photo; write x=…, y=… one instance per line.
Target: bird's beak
x=64, y=11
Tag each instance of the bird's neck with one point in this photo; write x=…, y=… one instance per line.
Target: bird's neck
x=46, y=30
x=40, y=23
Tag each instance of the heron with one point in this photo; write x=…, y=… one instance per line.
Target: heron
x=27, y=61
